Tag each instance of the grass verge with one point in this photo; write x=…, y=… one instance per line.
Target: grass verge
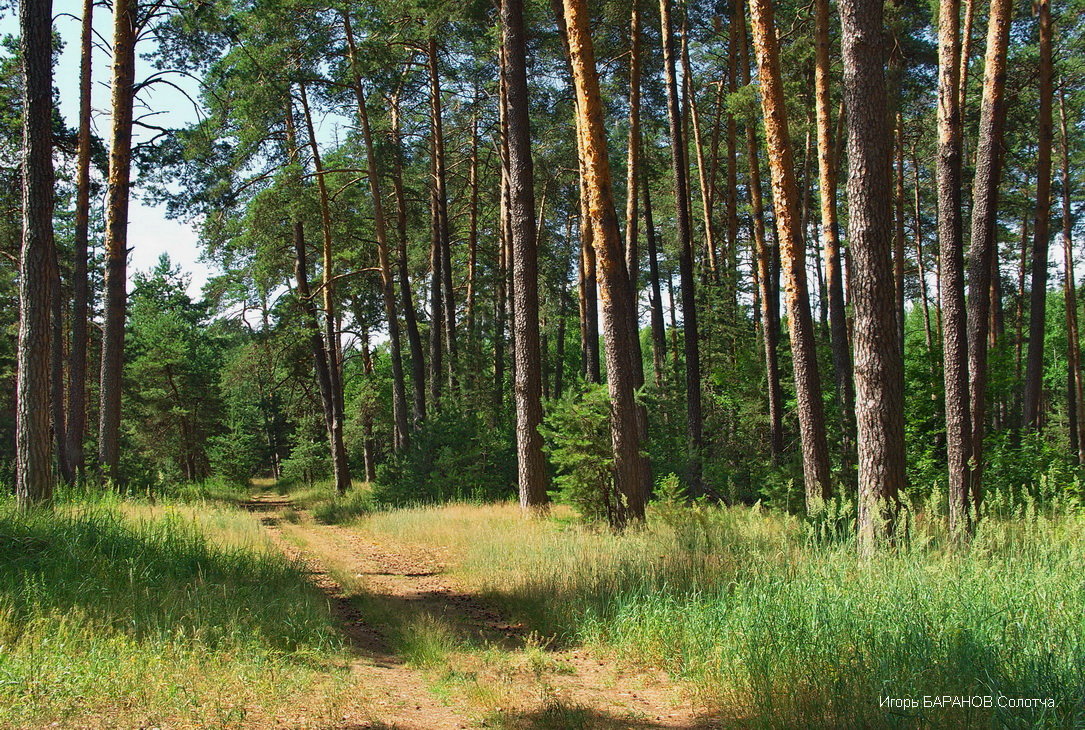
x=156, y=615
x=776, y=628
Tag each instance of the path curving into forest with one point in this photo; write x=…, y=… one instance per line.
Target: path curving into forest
x=388, y=599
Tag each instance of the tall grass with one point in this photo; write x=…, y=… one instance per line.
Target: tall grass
x=153, y=614
x=777, y=624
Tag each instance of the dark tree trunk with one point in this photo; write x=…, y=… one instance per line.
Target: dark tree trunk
x=443, y=236
x=694, y=418
x=951, y=257
x=399, y=389
x=116, y=236
x=659, y=331
x=410, y=318
x=340, y=467
x=1075, y=384
x=33, y=446
x=1040, y=229
x=521, y=216
x=984, y=246
x=879, y=362
x=80, y=313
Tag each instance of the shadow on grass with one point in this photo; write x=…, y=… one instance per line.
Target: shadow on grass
x=158, y=579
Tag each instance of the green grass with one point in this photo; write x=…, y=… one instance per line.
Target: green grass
x=147, y=615
x=774, y=628
x=327, y=506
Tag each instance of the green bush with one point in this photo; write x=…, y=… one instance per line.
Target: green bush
x=454, y=455
x=576, y=434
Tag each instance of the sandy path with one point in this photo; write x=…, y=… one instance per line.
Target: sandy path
x=574, y=689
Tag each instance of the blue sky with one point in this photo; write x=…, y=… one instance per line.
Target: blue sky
x=150, y=232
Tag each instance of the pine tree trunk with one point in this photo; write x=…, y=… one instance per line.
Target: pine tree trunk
x=830, y=230
x=951, y=258
x=1076, y=394
x=80, y=316
x=659, y=331
x=879, y=396
x=33, y=446
x=619, y=330
x=815, y=448
x=340, y=467
x=369, y=450
x=702, y=173
x=694, y=418
x=410, y=318
x=521, y=216
x=116, y=236
x=1040, y=229
x=399, y=388
x=444, y=239
x=57, y=358
x=763, y=270
x=984, y=245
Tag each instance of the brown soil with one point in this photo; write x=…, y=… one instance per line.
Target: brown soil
x=499, y=674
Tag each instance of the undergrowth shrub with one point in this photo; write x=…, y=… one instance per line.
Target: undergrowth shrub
x=576, y=435
x=454, y=455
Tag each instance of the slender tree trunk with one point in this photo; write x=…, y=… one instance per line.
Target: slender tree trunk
x=1037, y=305
x=951, y=256
x=305, y=295
x=898, y=231
x=437, y=308
x=116, y=236
x=444, y=239
x=521, y=216
x=57, y=358
x=368, y=444
x=879, y=363
x=702, y=172
x=1076, y=389
x=830, y=229
x=731, y=190
x=501, y=298
x=388, y=286
x=589, y=288
x=785, y=198
x=632, y=252
x=659, y=330
x=80, y=313
x=763, y=270
x=33, y=446
x=410, y=318
x=984, y=246
x=472, y=251
x=613, y=277
x=694, y=418
x=340, y=467
x=917, y=234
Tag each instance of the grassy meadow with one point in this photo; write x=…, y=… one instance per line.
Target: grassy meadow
x=131, y=614
x=774, y=623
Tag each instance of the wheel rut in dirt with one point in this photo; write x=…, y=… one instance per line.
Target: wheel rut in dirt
x=380, y=592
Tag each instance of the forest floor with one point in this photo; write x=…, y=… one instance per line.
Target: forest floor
x=430, y=653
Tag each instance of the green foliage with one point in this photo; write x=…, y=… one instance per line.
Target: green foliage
x=308, y=462
x=339, y=509
x=453, y=455
x=154, y=610
x=577, y=440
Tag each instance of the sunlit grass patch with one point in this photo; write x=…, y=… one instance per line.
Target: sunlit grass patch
x=765, y=619
x=154, y=614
